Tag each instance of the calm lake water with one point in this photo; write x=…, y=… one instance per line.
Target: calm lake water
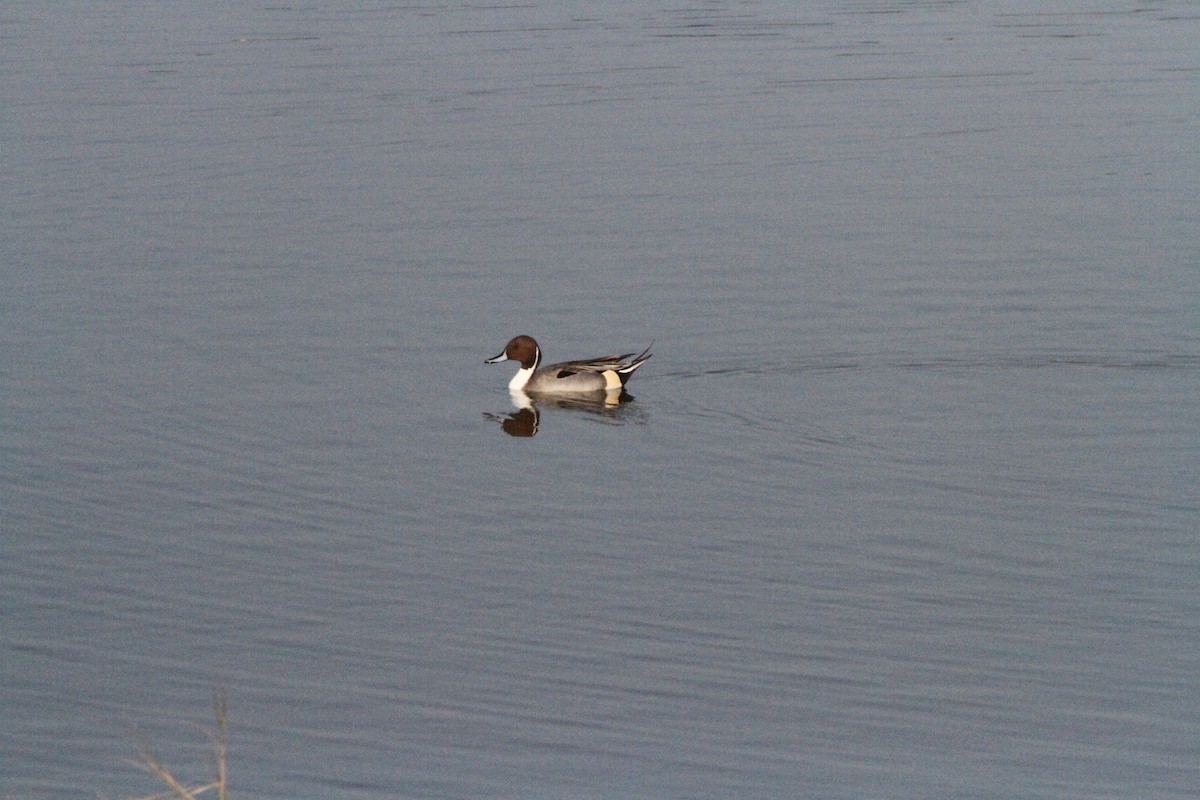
x=906, y=504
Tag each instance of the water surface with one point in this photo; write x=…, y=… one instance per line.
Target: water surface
x=904, y=504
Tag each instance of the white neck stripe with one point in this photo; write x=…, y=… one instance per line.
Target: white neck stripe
x=521, y=378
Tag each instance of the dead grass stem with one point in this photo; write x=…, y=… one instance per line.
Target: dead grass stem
x=148, y=761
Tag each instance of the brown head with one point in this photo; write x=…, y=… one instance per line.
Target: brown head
x=520, y=348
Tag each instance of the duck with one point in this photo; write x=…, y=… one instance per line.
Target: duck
x=586, y=377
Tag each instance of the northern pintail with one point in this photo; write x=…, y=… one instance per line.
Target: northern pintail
x=595, y=375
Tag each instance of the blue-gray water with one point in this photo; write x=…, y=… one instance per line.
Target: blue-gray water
x=906, y=503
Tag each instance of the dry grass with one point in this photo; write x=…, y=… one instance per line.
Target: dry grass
x=216, y=740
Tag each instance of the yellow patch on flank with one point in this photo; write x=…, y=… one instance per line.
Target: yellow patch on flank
x=611, y=380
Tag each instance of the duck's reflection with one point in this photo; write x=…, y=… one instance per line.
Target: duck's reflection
x=524, y=421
